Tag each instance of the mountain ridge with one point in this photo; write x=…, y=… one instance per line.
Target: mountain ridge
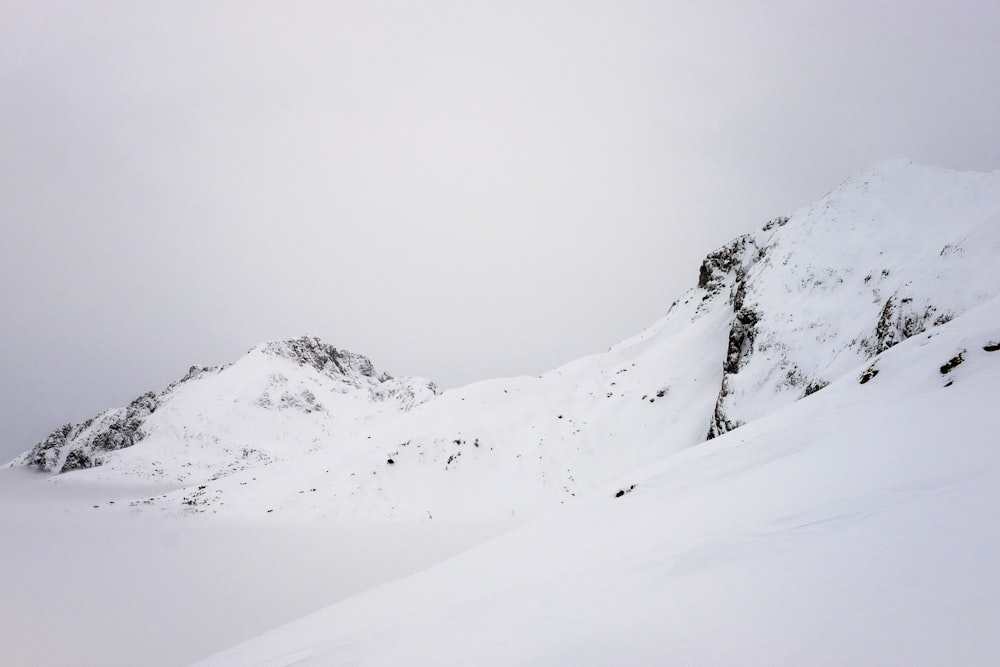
x=74, y=447
x=775, y=315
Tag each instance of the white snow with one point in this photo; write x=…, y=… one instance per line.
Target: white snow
x=856, y=524
x=88, y=587
x=859, y=526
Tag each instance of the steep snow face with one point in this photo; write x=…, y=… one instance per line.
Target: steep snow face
x=284, y=398
x=890, y=253
x=859, y=526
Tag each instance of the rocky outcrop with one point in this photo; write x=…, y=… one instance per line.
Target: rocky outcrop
x=728, y=267
x=730, y=261
x=741, y=336
x=325, y=358
x=720, y=422
x=901, y=318
x=74, y=447
x=79, y=446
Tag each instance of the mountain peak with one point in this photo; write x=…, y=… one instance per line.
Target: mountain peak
x=312, y=352
x=325, y=394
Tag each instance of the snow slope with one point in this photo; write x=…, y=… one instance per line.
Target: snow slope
x=823, y=516
x=776, y=315
x=859, y=526
x=891, y=252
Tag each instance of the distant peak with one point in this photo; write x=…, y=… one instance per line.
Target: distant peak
x=311, y=351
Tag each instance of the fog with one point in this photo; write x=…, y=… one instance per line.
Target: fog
x=457, y=190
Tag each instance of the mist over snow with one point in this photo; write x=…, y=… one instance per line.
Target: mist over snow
x=460, y=191
x=795, y=464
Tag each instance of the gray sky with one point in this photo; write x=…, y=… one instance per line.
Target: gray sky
x=458, y=190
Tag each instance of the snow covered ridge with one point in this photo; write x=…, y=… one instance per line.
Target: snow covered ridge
x=304, y=377
x=776, y=315
x=890, y=253
x=78, y=446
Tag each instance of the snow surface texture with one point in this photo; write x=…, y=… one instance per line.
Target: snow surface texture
x=803, y=531
x=859, y=526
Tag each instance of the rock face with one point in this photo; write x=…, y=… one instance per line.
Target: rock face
x=73, y=447
x=323, y=357
x=892, y=252
x=903, y=317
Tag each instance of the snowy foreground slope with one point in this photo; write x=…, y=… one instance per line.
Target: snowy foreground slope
x=858, y=526
x=777, y=314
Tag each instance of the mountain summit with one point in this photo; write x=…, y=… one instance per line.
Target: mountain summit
x=282, y=399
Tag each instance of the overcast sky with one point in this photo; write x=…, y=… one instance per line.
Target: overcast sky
x=458, y=190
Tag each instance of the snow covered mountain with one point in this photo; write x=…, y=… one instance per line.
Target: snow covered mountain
x=284, y=398
x=860, y=526
x=795, y=465
x=890, y=253
x=300, y=428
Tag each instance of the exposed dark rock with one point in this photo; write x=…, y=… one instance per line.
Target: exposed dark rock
x=112, y=430
x=780, y=221
x=78, y=459
x=741, y=337
x=719, y=263
x=739, y=293
x=193, y=373
x=732, y=262
x=814, y=386
x=991, y=347
x=115, y=429
x=720, y=422
x=311, y=351
x=869, y=373
x=901, y=319
x=726, y=265
x=953, y=363
x=46, y=453
x=125, y=431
